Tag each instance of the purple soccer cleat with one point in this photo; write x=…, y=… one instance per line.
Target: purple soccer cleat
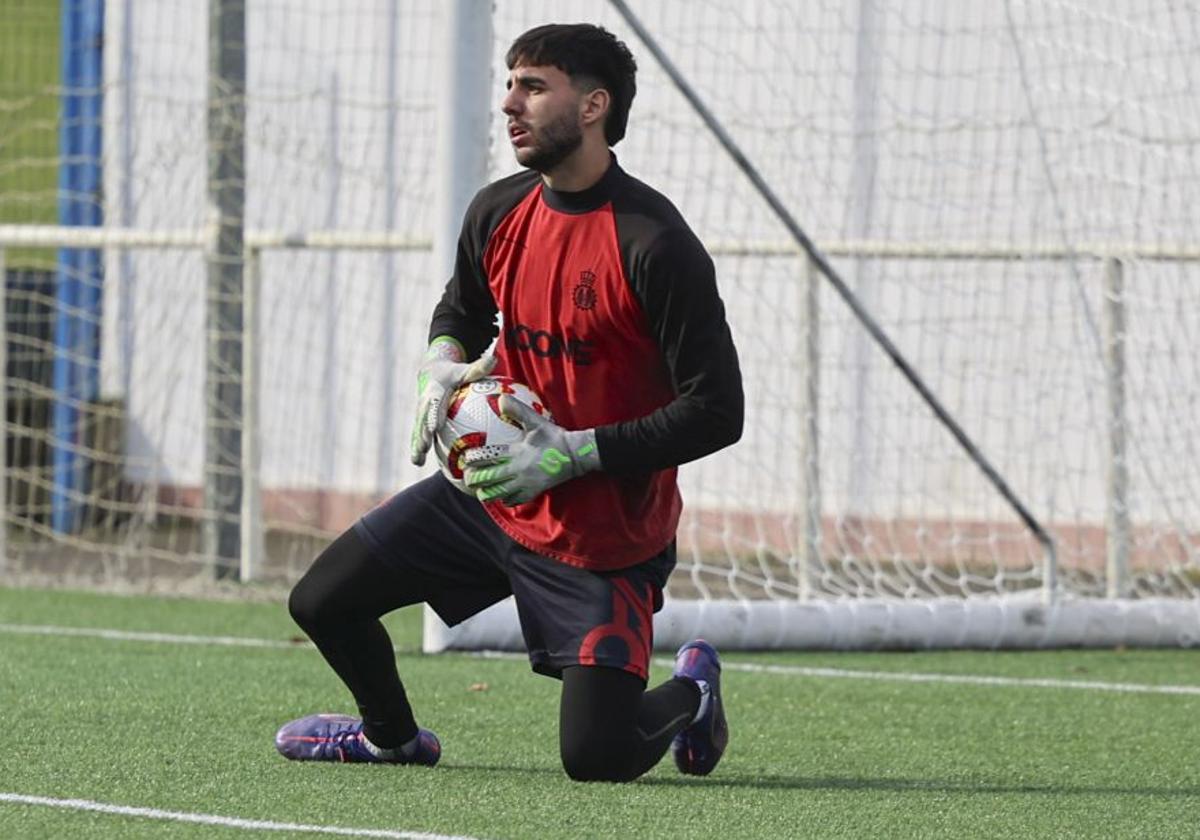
x=698, y=748
x=330, y=737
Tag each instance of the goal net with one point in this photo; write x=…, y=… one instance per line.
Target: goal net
x=1005, y=190
x=1008, y=190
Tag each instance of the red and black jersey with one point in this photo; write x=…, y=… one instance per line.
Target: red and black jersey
x=609, y=310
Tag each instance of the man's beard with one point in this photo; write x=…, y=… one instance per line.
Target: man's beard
x=552, y=144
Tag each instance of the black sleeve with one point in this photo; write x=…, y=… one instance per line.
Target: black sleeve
x=676, y=283
x=467, y=310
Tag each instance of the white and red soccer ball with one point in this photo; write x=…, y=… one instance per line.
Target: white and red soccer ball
x=474, y=420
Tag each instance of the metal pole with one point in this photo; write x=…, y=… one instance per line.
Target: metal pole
x=332, y=361
x=226, y=195
x=1050, y=562
x=1117, y=519
x=860, y=215
x=127, y=325
x=810, y=463
x=251, y=515
x=464, y=124
x=385, y=473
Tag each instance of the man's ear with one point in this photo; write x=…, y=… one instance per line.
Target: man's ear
x=594, y=106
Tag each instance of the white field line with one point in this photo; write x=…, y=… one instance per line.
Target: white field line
x=904, y=676
x=214, y=819
x=780, y=670
x=137, y=636
x=957, y=679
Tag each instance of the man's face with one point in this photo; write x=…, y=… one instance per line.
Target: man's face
x=543, y=110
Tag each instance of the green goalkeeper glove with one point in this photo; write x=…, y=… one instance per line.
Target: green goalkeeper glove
x=443, y=371
x=546, y=456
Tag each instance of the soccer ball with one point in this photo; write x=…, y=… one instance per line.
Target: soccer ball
x=474, y=419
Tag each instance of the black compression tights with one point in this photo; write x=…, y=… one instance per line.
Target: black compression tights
x=338, y=603
x=610, y=727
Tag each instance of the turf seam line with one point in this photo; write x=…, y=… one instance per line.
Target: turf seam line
x=957, y=679
x=141, y=636
x=215, y=819
x=782, y=670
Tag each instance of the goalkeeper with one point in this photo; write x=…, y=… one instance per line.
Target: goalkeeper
x=610, y=312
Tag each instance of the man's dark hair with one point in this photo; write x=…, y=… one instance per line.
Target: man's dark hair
x=591, y=56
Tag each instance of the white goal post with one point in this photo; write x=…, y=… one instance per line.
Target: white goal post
x=1014, y=211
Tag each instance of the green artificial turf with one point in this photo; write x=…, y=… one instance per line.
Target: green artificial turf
x=187, y=728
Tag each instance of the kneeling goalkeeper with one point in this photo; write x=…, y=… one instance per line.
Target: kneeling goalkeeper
x=610, y=312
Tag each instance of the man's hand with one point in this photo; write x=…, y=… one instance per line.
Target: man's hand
x=546, y=455
x=440, y=375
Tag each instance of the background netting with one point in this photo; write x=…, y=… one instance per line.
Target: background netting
x=973, y=170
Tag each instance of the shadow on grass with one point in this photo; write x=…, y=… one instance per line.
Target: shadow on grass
x=776, y=782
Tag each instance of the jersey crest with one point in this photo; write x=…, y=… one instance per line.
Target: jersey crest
x=584, y=294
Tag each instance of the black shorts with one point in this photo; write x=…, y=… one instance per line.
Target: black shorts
x=459, y=561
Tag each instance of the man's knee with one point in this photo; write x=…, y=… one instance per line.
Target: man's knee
x=313, y=601
x=596, y=757
x=598, y=739
x=306, y=604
